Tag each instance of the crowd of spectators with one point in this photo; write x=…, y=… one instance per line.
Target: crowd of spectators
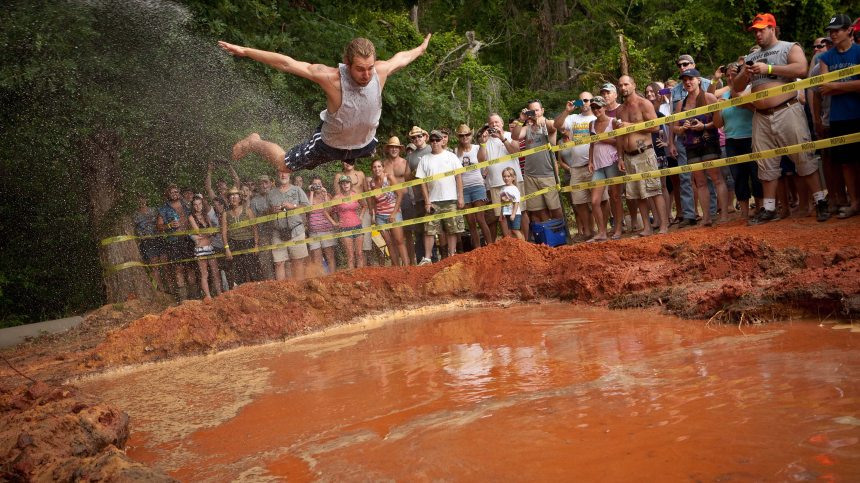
x=780, y=187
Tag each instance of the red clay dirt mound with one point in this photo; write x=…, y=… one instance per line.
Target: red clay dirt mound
x=51, y=433
x=765, y=272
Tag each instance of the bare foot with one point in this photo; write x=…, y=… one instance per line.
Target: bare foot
x=800, y=213
x=663, y=232
x=245, y=146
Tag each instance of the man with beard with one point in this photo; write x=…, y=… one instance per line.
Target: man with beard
x=778, y=121
x=638, y=154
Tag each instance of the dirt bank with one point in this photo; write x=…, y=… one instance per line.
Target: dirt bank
x=728, y=273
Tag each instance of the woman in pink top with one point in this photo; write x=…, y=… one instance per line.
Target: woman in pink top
x=318, y=225
x=348, y=218
x=603, y=163
x=385, y=209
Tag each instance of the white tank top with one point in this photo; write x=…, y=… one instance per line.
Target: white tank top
x=354, y=125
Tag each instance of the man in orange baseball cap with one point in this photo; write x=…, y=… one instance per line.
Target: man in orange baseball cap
x=763, y=20
x=779, y=120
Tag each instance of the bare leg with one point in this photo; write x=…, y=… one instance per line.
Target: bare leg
x=350, y=252
x=782, y=198
x=617, y=208
x=482, y=222
x=271, y=152
x=400, y=247
x=452, y=244
x=330, y=259
x=849, y=174
x=297, y=267
x=704, y=196
x=359, y=251
x=524, y=225
x=204, y=278
x=216, y=275
x=156, y=272
x=392, y=250
x=582, y=216
x=598, y=210
x=409, y=241
x=722, y=193
x=804, y=205
x=428, y=246
x=280, y=270
x=662, y=214
x=647, y=229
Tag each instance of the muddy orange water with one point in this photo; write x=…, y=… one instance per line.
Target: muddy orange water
x=531, y=393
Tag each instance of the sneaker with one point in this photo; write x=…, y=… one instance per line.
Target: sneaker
x=425, y=261
x=764, y=216
x=686, y=222
x=824, y=212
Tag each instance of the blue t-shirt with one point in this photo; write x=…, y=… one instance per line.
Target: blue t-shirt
x=737, y=121
x=843, y=107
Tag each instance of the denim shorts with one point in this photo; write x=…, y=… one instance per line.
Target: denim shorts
x=350, y=228
x=513, y=225
x=611, y=171
x=475, y=193
x=383, y=219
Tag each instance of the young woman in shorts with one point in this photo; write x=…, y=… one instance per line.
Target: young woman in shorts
x=348, y=218
x=385, y=208
x=318, y=225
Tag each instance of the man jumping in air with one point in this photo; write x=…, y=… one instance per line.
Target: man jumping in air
x=354, y=100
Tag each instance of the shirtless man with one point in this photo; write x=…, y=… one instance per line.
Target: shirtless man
x=353, y=99
x=359, y=185
x=637, y=152
x=779, y=121
x=398, y=168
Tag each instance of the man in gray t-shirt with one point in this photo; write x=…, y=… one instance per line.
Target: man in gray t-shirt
x=418, y=137
x=540, y=169
x=286, y=197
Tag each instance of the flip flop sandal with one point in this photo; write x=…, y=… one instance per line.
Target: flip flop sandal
x=845, y=212
x=616, y=237
x=641, y=235
x=595, y=240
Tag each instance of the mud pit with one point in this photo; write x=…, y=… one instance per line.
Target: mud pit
x=727, y=274
x=539, y=393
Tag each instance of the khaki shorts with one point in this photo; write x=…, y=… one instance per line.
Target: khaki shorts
x=322, y=244
x=640, y=163
x=449, y=226
x=549, y=200
x=295, y=252
x=581, y=175
x=783, y=128
x=495, y=197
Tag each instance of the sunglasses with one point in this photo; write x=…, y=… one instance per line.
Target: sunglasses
x=174, y=191
x=416, y=137
x=435, y=140
x=818, y=46
x=463, y=135
x=684, y=64
x=595, y=106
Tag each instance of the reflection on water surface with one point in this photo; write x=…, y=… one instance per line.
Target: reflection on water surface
x=535, y=393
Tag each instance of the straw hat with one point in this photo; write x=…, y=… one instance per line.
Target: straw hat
x=394, y=141
x=416, y=131
x=463, y=129
x=235, y=191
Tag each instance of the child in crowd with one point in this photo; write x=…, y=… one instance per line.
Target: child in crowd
x=511, y=213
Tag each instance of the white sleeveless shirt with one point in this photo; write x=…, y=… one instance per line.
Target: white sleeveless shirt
x=354, y=125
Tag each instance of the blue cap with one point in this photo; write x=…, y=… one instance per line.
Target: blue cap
x=690, y=73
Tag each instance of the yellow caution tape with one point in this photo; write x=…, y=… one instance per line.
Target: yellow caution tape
x=755, y=96
x=810, y=146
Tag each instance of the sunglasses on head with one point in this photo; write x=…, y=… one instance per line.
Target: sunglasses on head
x=684, y=64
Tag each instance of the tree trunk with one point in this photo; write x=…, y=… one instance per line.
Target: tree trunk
x=625, y=66
x=99, y=158
x=413, y=15
x=468, y=101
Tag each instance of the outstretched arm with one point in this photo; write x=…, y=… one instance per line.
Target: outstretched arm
x=315, y=72
x=384, y=68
